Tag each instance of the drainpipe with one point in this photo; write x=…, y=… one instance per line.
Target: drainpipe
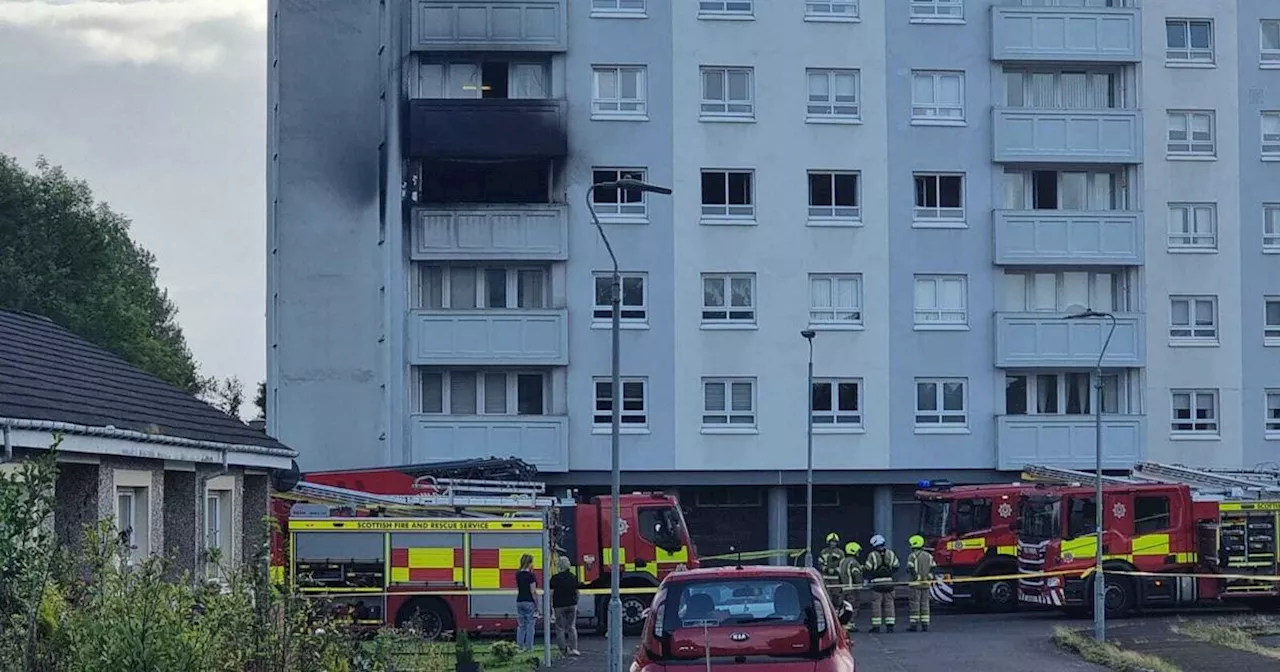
x=8, y=443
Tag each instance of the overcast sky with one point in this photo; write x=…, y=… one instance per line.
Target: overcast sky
x=160, y=106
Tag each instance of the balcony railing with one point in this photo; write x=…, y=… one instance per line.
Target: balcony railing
x=489, y=337
x=1045, y=340
x=1066, y=34
x=489, y=25
x=1032, y=135
x=540, y=440
x=1068, y=441
x=490, y=232
x=1073, y=237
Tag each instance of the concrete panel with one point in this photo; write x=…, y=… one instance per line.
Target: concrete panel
x=1022, y=135
x=1046, y=340
x=542, y=441
x=1074, y=34
x=1069, y=441
x=489, y=337
x=1057, y=237
x=77, y=503
x=181, y=519
x=508, y=233
x=489, y=25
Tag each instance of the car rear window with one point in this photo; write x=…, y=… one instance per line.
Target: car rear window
x=747, y=601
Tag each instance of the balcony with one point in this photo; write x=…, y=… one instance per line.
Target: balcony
x=483, y=233
x=1070, y=34
x=540, y=440
x=489, y=337
x=487, y=128
x=1068, y=441
x=489, y=25
x=1045, y=340
x=1069, y=237
x=1027, y=135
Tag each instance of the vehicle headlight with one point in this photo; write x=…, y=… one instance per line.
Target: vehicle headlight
x=1052, y=582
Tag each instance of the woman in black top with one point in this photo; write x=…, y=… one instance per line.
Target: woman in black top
x=526, y=607
x=564, y=599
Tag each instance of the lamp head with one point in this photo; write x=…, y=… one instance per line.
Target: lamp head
x=808, y=333
x=637, y=185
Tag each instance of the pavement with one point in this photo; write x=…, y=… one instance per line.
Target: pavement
x=1154, y=637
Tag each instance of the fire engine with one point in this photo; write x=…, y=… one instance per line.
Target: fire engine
x=1169, y=522
x=401, y=545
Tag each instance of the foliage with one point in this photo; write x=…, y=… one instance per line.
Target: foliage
x=260, y=400
x=27, y=499
x=463, y=652
x=68, y=258
x=227, y=394
x=504, y=651
x=1107, y=654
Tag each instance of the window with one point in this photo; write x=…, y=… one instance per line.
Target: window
x=635, y=413
x=635, y=303
x=1195, y=412
x=1150, y=514
x=835, y=300
x=482, y=287
x=1092, y=191
x=837, y=404
x=133, y=518
x=725, y=7
x=217, y=531
x=463, y=392
x=1273, y=413
x=728, y=402
x=1188, y=41
x=1193, y=226
x=973, y=515
x=1191, y=133
x=833, y=196
x=831, y=10
x=950, y=10
x=1271, y=134
x=728, y=299
x=937, y=96
x=1057, y=393
x=941, y=403
x=833, y=94
x=1271, y=227
x=618, y=203
x=1082, y=517
x=1271, y=320
x=1270, y=42
x=516, y=182
x=1193, y=319
x=489, y=78
x=126, y=516
x=619, y=91
x=1071, y=89
x=940, y=301
x=1055, y=292
x=728, y=194
x=618, y=6
x=939, y=198
x=726, y=92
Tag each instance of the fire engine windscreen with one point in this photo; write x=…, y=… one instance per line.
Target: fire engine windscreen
x=661, y=527
x=935, y=519
x=1039, y=518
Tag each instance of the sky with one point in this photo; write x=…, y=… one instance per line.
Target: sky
x=160, y=105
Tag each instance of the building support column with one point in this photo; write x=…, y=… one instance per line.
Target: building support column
x=778, y=522
x=882, y=513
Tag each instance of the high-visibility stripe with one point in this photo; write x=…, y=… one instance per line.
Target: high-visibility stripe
x=400, y=575
x=509, y=558
x=485, y=577
x=681, y=555
x=432, y=558
x=607, y=556
x=1007, y=550
x=969, y=544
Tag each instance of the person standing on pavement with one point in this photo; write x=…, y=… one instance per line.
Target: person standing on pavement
x=564, y=600
x=920, y=571
x=851, y=582
x=881, y=566
x=829, y=566
x=526, y=605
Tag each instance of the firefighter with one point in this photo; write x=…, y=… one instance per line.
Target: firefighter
x=851, y=582
x=829, y=565
x=920, y=571
x=881, y=566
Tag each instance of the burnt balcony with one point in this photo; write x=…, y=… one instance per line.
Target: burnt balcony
x=487, y=128
x=489, y=25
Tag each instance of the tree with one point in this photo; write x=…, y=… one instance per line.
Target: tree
x=260, y=400
x=227, y=394
x=69, y=258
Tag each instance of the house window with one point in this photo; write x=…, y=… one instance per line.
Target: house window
x=951, y=10
x=1191, y=133
x=833, y=94
x=456, y=287
x=939, y=199
x=488, y=78
x=635, y=412
x=1195, y=412
x=1072, y=89
x=728, y=194
x=471, y=392
x=618, y=6
x=727, y=93
x=831, y=9
x=610, y=203
x=1270, y=42
x=133, y=521
x=1193, y=226
x=1062, y=393
x=1188, y=41
x=619, y=91
x=728, y=298
x=728, y=402
x=725, y=7
x=941, y=301
x=837, y=403
x=1271, y=134
x=1056, y=292
x=635, y=304
x=833, y=196
x=1193, y=319
x=1273, y=413
x=1271, y=320
x=1271, y=227
x=835, y=300
x=1074, y=190
x=937, y=96
x=941, y=402
x=217, y=531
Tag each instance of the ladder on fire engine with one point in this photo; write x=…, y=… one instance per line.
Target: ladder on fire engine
x=1061, y=476
x=1236, y=483
x=462, y=497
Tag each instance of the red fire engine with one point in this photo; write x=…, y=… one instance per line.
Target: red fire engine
x=391, y=546
x=1169, y=521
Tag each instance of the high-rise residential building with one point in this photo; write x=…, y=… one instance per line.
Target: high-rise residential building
x=930, y=185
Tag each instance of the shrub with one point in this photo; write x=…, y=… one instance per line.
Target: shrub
x=504, y=651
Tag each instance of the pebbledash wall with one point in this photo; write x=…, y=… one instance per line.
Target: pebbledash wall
x=341, y=376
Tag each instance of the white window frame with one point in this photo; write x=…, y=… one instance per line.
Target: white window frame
x=422, y=294
x=729, y=315
x=1193, y=332
x=1191, y=147
x=835, y=420
x=1268, y=58
x=729, y=419
x=827, y=108
x=1270, y=330
x=937, y=11
x=1270, y=140
x=730, y=212
x=1188, y=54
x=931, y=113
x=936, y=316
x=511, y=394
x=1111, y=297
x=618, y=107
x=219, y=505
x=134, y=526
x=634, y=315
x=474, y=88
x=1271, y=413
x=721, y=9
x=619, y=8
x=1206, y=427
x=834, y=214
x=941, y=418
x=926, y=216
x=634, y=420
x=628, y=212
x=726, y=108
x=1119, y=382
x=1202, y=219
x=1020, y=189
x=831, y=10
x=832, y=316
x=1271, y=228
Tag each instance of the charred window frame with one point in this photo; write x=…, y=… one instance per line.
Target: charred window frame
x=514, y=181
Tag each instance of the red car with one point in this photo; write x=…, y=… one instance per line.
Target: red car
x=744, y=619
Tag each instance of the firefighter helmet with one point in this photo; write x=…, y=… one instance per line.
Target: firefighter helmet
x=852, y=548
x=877, y=541
x=916, y=541
x=833, y=538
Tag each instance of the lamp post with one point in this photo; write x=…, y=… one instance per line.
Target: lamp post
x=808, y=474
x=1099, y=583
x=615, y=486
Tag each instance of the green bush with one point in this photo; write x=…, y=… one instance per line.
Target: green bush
x=504, y=651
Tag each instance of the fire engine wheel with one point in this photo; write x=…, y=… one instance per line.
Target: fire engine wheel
x=1117, y=599
x=429, y=615
x=633, y=607
x=1002, y=596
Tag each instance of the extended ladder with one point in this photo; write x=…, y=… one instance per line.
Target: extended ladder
x=452, y=498
x=1235, y=483
x=1060, y=476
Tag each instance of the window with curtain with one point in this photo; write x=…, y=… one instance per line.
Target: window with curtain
x=729, y=402
x=941, y=300
x=529, y=81
x=458, y=287
x=835, y=299
x=1063, y=90
x=472, y=392
x=1065, y=190
x=1055, y=292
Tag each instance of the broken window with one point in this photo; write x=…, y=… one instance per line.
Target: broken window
x=486, y=182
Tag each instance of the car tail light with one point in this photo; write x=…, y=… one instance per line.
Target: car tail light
x=655, y=612
x=820, y=613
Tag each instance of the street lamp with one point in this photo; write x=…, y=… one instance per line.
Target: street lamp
x=808, y=475
x=1099, y=584
x=615, y=488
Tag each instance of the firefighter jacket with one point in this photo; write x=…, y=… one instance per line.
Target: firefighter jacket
x=829, y=564
x=850, y=573
x=881, y=566
x=920, y=565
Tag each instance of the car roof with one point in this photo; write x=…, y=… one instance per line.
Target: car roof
x=743, y=572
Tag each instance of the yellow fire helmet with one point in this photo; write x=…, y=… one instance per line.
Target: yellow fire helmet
x=916, y=541
x=853, y=548
x=832, y=537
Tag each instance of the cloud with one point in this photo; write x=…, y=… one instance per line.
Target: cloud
x=198, y=35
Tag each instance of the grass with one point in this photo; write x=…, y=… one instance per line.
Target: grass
x=406, y=655
x=1233, y=633
x=1108, y=655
